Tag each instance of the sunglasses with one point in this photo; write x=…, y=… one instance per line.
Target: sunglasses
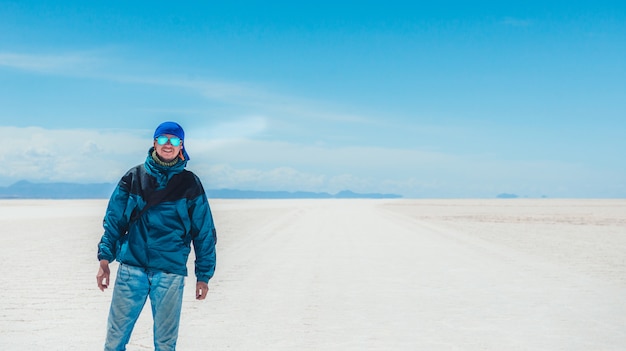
x=162, y=140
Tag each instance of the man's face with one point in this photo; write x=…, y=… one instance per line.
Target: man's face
x=167, y=152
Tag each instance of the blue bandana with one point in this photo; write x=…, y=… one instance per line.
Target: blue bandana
x=172, y=128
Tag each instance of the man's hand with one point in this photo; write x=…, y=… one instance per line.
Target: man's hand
x=103, y=275
x=202, y=289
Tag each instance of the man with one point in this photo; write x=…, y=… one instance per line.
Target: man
x=156, y=211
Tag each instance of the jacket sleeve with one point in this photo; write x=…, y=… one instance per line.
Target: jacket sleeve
x=204, y=237
x=115, y=221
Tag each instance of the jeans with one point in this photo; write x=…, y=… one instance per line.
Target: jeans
x=133, y=286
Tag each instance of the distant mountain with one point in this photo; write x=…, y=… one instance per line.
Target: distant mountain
x=507, y=196
x=28, y=190
x=253, y=194
x=347, y=194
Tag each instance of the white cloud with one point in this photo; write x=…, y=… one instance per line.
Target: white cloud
x=283, y=107
x=84, y=155
x=226, y=132
x=78, y=155
x=65, y=63
x=516, y=22
x=279, y=178
x=106, y=65
x=373, y=160
x=254, y=164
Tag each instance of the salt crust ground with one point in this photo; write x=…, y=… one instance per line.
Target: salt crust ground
x=342, y=275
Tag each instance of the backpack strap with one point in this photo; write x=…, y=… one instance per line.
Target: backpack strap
x=157, y=196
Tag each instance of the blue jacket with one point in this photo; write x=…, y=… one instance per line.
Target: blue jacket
x=159, y=237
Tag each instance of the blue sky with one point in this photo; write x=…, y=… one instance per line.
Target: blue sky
x=447, y=99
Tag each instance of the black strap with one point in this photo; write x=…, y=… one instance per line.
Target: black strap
x=157, y=196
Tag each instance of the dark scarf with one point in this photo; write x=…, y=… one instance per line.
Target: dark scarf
x=158, y=160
